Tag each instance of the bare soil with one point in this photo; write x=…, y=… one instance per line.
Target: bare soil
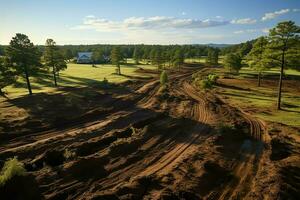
x=140, y=141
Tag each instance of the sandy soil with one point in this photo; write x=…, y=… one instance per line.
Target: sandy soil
x=138, y=141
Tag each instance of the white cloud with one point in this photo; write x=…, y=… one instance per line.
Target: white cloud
x=183, y=13
x=157, y=22
x=296, y=10
x=153, y=30
x=275, y=14
x=264, y=30
x=243, y=21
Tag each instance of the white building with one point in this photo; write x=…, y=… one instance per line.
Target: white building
x=84, y=57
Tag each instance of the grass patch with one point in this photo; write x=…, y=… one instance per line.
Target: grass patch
x=12, y=167
x=77, y=75
x=241, y=90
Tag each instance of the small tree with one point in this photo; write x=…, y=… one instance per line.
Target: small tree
x=7, y=74
x=54, y=58
x=212, y=56
x=255, y=57
x=178, y=58
x=233, y=62
x=136, y=55
x=116, y=58
x=158, y=58
x=24, y=55
x=163, y=78
x=283, y=50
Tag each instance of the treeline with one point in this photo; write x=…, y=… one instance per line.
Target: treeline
x=21, y=58
x=139, y=51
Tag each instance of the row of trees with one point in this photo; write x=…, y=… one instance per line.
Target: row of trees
x=138, y=52
x=280, y=49
x=23, y=58
x=158, y=57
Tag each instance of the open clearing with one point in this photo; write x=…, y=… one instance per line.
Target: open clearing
x=78, y=75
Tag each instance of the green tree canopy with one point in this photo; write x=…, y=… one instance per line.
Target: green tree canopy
x=178, y=59
x=255, y=57
x=54, y=58
x=7, y=73
x=283, y=50
x=24, y=56
x=116, y=58
x=233, y=62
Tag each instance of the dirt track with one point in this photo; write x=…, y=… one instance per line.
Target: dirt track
x=161, y=145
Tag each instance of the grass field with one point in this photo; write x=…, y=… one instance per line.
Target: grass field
x=242, y=90
x=76, y=75
x=202, y=60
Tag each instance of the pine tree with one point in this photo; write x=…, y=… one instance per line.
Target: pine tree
x=25, y=56
x=54, y=59
x=233, y=62
x=283, y=50
x=178, y=58
x=7, y=74
x=255, y=57
x=116, y=58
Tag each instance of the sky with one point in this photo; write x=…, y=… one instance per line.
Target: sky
x=143, y=21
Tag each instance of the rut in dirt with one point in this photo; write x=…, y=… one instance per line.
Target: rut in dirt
x=162, y=145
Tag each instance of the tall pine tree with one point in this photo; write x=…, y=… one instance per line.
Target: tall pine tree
x=283, y=50
x=25, y=56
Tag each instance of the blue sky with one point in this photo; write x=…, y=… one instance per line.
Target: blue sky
x=141, y=21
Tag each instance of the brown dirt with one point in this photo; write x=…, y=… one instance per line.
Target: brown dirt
x=138, y=141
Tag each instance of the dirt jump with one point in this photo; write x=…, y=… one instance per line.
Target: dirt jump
x=145, y=142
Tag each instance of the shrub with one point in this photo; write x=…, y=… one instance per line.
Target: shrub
x=208, y=81
x=163, y=78
x=68, y=154
x=133, y=130
x=12, y=167
x=206, y=84
x=213, y=78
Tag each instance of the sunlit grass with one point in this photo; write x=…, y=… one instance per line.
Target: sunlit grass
x=77, y=75
x=261, y=101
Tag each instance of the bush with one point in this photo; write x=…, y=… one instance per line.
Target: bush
x=163, y=78
x=12, y=167
x=68, y=154
x=213, y=78
x=207, y=82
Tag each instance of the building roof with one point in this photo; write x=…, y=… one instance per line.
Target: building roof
x=85, y=55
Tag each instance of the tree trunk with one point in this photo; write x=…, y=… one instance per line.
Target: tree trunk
x=259, y=79
x=27, y=80
x=280, y=81
x=119, y=67
x=54, y=76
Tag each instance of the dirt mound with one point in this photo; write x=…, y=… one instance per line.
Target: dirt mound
x=280, y=149
x=136, y=141
x=21, y=187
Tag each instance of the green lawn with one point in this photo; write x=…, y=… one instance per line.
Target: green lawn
x=76, y=75
x=261, y=101
x=202, y=60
